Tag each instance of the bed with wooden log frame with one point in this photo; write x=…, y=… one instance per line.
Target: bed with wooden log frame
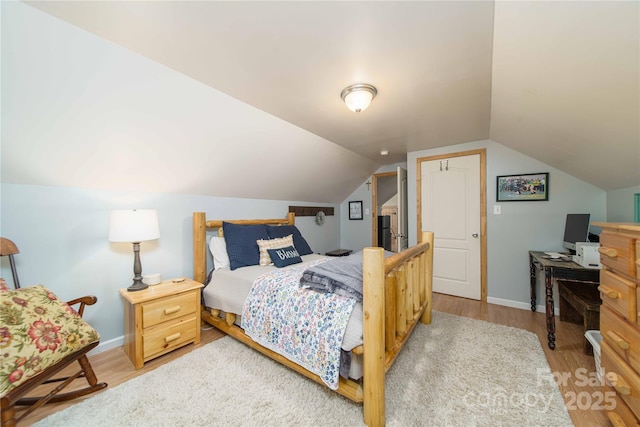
x=397, y=294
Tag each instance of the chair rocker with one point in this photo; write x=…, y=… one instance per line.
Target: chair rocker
x=40, y=335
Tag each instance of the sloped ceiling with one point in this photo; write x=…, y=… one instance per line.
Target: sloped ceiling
x=558, y=81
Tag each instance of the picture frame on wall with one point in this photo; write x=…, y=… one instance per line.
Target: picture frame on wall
x=355, y=209
x=528, y=187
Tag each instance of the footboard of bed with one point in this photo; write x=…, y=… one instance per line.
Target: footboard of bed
x=397, y=294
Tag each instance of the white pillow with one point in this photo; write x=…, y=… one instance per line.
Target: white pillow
x=218, y=249
x=282, y=242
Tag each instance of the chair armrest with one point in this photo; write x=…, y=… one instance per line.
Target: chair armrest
x=83, y=301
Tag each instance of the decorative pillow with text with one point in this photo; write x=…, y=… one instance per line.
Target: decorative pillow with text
x=282, y=257
x=272, y=244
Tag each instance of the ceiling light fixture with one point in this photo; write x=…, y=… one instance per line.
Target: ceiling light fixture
x=384, y=152
x=358, y=96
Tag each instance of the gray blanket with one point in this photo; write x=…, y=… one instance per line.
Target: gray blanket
x=342, y=275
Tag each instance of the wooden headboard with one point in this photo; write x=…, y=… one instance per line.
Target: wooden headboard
x=200, y=226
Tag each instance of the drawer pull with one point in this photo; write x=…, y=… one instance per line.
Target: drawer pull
x=620, y=342
x=611, y=293
x=619, y=383
x=172, y=310
x=608, y=252
x=616, y=420
x=172, y=337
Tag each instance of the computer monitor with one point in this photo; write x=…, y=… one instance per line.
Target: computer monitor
x=576, y=229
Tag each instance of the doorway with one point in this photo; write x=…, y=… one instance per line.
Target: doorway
x=451, y=193
x=389, y=210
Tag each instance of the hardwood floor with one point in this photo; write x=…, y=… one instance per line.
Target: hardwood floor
x=114, y=367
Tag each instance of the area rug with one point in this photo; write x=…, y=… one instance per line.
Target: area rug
x=454, y=372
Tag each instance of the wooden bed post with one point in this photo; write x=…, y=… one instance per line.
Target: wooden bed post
x=199, y=247
x=427, y=236
x=373, y=336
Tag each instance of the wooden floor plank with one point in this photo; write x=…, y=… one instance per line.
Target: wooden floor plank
x=114, y=367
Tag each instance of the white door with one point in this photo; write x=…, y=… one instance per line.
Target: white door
x=402, y=236
x=451, y=209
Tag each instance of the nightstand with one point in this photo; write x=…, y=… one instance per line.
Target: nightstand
x=160, y=319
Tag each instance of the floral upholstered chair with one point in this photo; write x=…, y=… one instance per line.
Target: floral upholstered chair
x=39, y=336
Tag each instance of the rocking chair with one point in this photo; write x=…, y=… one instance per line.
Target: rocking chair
x=39, y=337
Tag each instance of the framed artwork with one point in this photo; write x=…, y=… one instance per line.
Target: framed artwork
x=355, y=210
x=528, y=187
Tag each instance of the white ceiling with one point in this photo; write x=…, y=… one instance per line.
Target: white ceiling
x=558, y=81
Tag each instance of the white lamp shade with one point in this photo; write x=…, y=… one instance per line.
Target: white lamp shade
x=136, y=225
x=358, y=100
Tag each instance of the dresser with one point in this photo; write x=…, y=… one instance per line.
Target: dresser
x=160, y=319
x=620, y=319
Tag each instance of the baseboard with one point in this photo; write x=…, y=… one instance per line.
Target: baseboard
x=108, y=345
x=520, y=305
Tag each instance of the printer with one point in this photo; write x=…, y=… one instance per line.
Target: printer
x=587, y=255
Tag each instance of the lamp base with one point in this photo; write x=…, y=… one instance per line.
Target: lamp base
x=137, y=286
x=137, y=271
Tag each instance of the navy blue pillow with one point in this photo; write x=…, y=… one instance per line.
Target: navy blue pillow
x=276, y=231
x=282, y=257
x=241, y=243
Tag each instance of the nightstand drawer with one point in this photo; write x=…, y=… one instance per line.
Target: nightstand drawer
x=168, y=308
x=166, y=337
x=619, y=294
x=622, y=336
x=618, y=252
x=622, y=378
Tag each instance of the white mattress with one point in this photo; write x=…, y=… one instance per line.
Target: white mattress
x=229, y=289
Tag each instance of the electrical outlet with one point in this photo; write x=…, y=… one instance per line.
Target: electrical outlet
x=497, y=209
x=366, y=211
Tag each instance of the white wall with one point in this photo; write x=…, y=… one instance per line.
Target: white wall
x=523, y=226
x=620, y=204
x=62, y=236
x=80, y=111
x=88, y=127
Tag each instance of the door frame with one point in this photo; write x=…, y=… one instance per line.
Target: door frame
x=374, y=203
x=483, y=206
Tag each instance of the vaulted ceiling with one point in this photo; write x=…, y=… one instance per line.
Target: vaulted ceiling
x=558, y=81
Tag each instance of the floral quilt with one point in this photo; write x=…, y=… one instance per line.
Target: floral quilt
x=305, y=326
x=37, y=330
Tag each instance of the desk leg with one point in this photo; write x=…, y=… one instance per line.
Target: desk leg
x=533, y=282
x=551, y=321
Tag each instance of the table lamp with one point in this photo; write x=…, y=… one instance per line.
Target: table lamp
x=135, y=226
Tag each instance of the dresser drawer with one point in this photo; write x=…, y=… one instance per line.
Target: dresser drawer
x=619, y=294
x=622, y=336
x=168, y=308
x=166, y=337
x=620, y=415
x=618, y=252
x=637, y=305
x=622, y=378
x=638, y=258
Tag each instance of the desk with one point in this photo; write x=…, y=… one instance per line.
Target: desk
x=555, y=269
